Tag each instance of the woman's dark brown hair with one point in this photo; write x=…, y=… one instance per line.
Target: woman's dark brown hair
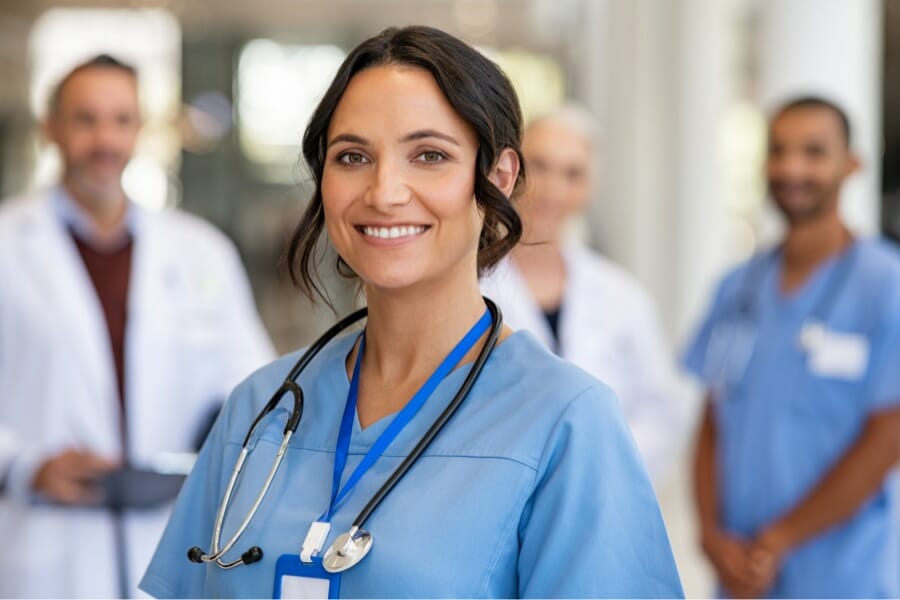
x=478, y=91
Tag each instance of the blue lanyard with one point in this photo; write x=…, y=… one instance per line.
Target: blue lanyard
x=398, y=423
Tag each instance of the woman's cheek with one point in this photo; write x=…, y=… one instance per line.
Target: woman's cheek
x=335, y=230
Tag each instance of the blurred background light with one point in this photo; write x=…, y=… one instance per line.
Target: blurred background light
x=278, y=86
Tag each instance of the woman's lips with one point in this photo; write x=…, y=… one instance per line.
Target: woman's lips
x=391, y=233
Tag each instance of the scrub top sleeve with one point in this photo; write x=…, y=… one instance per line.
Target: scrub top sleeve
x=885, y=365
x=592, y=526
x=171, y=574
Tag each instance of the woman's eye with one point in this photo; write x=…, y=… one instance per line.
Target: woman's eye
x=352, y=158
x=431, y=156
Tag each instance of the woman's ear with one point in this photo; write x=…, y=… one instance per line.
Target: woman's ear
x=505, y=171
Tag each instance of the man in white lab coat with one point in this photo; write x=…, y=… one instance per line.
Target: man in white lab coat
x=121, y=330
x=581, y=305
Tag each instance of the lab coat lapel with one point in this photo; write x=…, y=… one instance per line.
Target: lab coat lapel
x=149, y=346
x=91, y=405
x=581, y=303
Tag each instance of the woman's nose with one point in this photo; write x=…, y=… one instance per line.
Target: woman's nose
x=388, y=188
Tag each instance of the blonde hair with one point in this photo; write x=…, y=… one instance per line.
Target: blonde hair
x=573, y=115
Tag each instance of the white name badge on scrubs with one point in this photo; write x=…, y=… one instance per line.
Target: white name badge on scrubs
x=296, y=579
x=835, y=354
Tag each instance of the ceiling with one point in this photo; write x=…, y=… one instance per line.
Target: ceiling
x=499, y=19
x=532, y=23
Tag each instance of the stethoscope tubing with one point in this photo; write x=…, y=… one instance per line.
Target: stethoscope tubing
x=442, y=420
x=290, y=385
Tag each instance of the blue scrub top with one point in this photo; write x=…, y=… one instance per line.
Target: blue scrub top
x=534, y=489
x=784, y=417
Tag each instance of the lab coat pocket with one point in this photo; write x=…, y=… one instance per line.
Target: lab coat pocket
x=197, y=353
x=199, y=325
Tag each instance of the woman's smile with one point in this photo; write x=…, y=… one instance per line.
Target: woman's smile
x=392, y=234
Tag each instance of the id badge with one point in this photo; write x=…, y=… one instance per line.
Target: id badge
x=296, y=579
x=835, y=354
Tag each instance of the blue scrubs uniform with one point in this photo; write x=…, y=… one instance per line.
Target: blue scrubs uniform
x=787, y=410
x=534, y=489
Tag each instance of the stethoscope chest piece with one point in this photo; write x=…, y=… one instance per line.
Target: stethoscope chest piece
x=348, y=549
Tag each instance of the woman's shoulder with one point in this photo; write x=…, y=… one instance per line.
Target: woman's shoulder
x=528, y=364
x=529, y=395
x=251, y=395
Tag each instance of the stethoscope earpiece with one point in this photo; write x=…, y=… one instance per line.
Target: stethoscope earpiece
x=254, y=554
x=195, y=554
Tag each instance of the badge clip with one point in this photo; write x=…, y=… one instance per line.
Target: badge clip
x=315, y=539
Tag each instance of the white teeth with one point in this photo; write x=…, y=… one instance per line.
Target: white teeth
x=389, y=233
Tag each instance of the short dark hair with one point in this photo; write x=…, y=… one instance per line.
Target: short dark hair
x=101, y=61
x=818, y=102
x=477, y=90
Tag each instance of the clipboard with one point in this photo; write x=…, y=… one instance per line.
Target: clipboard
x=131, y=488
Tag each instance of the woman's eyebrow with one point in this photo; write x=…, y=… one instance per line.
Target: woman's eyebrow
x=349, y=138
x=409, y=137
x=428, y=133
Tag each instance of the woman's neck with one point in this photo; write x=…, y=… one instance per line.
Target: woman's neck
x=106, y=208
x=408, y=334
x=541, y=251
x=414, y=328
x=543, y=268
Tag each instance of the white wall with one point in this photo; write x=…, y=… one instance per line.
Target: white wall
x=833, y=48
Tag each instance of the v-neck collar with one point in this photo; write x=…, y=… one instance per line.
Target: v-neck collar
x=808, y=295
x=365, y=437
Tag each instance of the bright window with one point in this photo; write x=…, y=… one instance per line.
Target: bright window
x=150, y=40
x=278, y=87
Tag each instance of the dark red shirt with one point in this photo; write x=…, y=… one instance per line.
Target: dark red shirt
x=110, y=271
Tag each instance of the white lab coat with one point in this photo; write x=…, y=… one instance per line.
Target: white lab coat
x=609, y=327
x=192, y=334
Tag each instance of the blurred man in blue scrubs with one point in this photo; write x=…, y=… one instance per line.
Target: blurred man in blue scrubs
x=801, y=356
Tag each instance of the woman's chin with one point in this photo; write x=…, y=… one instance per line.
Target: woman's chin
x=390, y=283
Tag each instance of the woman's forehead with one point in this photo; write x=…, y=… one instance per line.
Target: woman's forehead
x=396, y=100
x=557, y=139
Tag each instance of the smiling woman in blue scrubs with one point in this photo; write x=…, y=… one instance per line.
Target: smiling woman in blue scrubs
x=534, y=488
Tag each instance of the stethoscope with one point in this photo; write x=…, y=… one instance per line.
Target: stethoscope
x=351, y=547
